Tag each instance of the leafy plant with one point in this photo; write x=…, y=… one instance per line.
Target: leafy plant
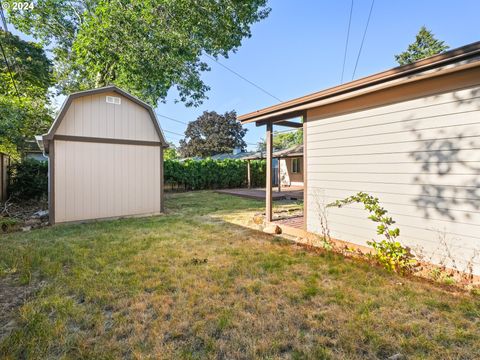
x=144, y=46
x=213, y=174
x=388, y=252
x=28, y=179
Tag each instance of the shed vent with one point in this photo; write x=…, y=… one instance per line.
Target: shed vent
x=114, y=100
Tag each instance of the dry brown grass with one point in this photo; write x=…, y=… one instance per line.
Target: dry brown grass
x=141, y=288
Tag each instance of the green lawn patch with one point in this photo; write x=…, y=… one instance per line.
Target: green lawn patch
x=193, y=284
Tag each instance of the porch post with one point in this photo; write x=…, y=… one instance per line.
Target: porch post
x=279, y=178
x=304, y=171
x=268, y=185
x=249, y=176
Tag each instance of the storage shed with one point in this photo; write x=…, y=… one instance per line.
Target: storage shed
x=105, y=151
x=409, y=136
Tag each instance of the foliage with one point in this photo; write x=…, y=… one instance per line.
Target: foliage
x=143, y=46
x=389, y=252
x=283, y=141
x=425, y=45
x=28, y=179
x=213, y=174
x=213, y=134
x=26, y=115
x=170, y=153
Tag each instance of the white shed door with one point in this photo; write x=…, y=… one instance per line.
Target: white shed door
x=99, y=180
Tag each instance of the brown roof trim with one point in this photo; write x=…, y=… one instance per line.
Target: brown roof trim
x=68, y=101
x=106, y=140
x=446, y=58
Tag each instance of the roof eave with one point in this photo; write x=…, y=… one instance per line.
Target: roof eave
x=453, y=56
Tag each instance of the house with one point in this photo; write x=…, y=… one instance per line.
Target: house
x=33, y=152
x=409, y=136
x=105, y=151
x=287, y=165
x=290, y=160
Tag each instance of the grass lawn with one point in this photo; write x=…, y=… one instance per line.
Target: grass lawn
x=192, y=285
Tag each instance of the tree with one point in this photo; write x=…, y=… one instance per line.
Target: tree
x=171, y=152
x=283, y=141
x=212, y=134
x=425, y=45
x=26, y=114
x=143, y=46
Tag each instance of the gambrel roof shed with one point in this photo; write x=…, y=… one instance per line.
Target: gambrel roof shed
x=105, y=151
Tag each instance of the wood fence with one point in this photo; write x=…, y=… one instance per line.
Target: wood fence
x=4, y=163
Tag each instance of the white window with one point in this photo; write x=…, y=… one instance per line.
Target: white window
x=296, y=165
x=114, y=100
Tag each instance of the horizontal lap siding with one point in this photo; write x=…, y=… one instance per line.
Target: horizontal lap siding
x=421, y=158
x=97, y=180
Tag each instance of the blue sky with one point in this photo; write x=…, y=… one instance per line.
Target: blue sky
x=299, y=49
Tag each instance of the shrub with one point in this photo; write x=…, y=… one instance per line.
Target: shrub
x=213, y=174
x=28, y=180
x=388, y=252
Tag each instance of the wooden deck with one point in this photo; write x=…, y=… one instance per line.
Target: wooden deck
x=294, y=222
x=290, y=193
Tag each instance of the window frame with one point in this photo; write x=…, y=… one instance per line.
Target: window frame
x=296, y=169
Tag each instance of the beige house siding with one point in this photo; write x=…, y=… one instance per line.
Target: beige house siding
x=420, y=157
x=289, y=178
x=99, y=180
x=92, y=116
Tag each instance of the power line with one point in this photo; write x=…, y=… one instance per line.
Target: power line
x=346, y=42
x=174, y=133
x=243, y=78
x=363, y=39
x=170, y=118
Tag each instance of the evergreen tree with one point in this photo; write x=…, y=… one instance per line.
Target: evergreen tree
x=425, y=45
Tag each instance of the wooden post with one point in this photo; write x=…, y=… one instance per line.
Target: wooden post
x=304, y=171
x=249, y=177
x=279, y=177
x=268, y=185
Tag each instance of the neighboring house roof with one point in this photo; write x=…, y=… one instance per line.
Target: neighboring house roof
x=294, y=151
x=56, y=123
x=453, y=60
x=241, y=155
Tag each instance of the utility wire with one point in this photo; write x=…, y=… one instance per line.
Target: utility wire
x=170, y=118
x=346, y=42
x=363, y=39
x=243, y=78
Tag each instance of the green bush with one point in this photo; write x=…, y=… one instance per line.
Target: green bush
x=28, y=180
x=388, y=252
x=213, y=174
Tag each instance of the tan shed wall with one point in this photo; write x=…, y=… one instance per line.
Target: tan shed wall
x=98, y=180
x=92, y=116
x=421, y=158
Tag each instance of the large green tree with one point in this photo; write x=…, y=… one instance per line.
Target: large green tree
x=24, y=94
x=213, y=134
x=283, y=141
x=425, y=45
x=144, y=46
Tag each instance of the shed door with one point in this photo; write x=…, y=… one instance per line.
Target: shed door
x=99, y=180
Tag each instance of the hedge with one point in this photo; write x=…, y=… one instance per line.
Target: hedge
x=28, y=179
x=213, y=174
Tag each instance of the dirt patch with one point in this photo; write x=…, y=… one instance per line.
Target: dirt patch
x=12, y=296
